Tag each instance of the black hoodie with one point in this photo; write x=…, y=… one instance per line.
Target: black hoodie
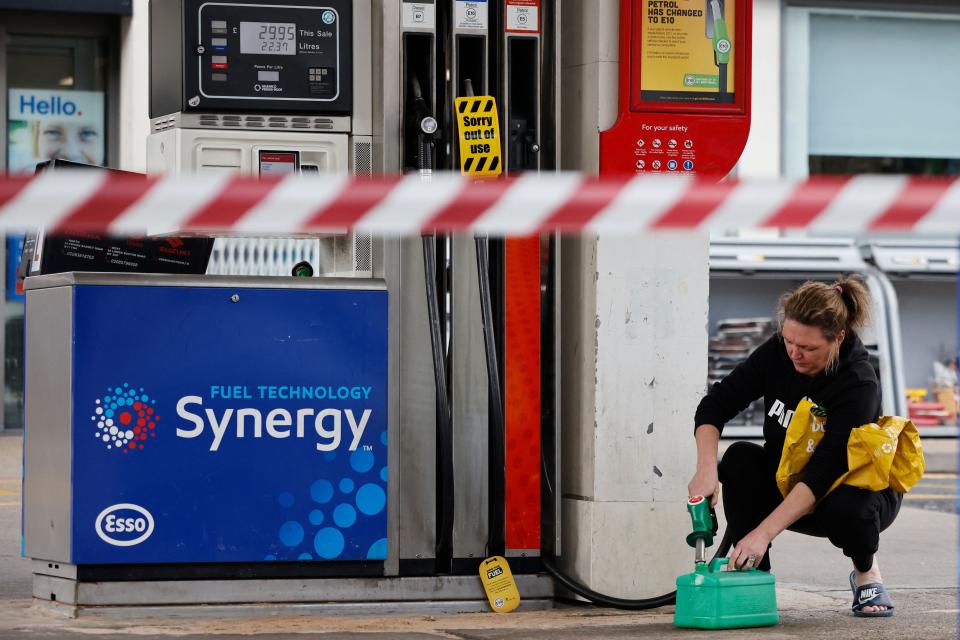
x=850, y=395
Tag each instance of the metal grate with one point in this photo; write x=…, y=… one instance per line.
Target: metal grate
x=362, y=158
x=261, y=256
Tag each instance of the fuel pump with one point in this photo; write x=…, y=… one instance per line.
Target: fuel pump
x=269, y=89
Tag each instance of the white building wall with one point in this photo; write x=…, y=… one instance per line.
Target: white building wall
x=135, y=88
x=762, y=156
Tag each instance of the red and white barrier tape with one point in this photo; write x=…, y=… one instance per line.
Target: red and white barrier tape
x=124, y=204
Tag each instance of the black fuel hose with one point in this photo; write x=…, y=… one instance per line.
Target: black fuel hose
x=445, y=484
x=493, y=376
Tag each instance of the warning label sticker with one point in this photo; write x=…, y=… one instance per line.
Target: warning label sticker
x=523, y=16
x=471, y=14
x=479, y=130
x=687, y=50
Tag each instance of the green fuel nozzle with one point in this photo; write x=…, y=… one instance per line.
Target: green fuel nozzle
x=704, y=526
x=721, y=39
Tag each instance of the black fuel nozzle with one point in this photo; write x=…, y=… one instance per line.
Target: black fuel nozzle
x=427, y=127
x=705, y=526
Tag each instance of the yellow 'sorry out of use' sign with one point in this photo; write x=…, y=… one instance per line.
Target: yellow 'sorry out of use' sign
x=478, y=127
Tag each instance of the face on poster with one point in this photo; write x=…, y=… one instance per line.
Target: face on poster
x=687, y=50
x=46, y=124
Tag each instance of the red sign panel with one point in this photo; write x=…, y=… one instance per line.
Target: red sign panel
x=684, y=98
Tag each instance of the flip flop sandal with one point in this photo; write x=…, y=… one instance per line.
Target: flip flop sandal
x=870, y=595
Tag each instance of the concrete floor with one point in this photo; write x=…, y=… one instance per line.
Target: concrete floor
x=918, y=558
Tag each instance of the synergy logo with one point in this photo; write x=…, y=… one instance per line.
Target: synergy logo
x=124, y=525
x=329, y=424
x=124, y=418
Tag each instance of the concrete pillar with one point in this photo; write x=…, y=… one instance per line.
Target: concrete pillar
x=634, y=353
x=633, y=361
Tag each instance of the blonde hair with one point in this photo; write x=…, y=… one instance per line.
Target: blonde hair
x=832, y=308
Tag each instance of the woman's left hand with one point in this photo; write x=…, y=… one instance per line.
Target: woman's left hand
x=754, y=546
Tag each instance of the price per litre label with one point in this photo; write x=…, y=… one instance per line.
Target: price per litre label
x=479, y=130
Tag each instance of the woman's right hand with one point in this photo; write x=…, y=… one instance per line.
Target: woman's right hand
x=705, y=483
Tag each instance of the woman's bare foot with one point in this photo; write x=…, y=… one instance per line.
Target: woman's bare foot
x=868, y=577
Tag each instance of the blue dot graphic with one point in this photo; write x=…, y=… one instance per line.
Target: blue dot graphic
x=316, y=517
x=286, y=499
x=144, y=398
x=329, y=456
x=305, y=556
x=270, y=557
x=106, y=398
x=344, y=515
x=328, y=543
x=383, y=438
x=126, y=384
x=291, y=533
x=118, y=391
x=108, y=412
x=371, y=499
x=378, y=550
x=346, y=485
x=129, y=402
x=384, y=474
x=321, y=491
x=361, y=461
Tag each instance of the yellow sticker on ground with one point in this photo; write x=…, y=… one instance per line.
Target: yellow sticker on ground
x=479, y=131
x=499, y=584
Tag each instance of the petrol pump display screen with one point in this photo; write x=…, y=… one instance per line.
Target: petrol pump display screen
x=268, y=38
x=289, y=57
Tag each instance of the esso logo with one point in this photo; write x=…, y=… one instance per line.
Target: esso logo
x=124, y=525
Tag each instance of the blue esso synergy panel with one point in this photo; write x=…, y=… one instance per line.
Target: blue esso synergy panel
x=290, y=56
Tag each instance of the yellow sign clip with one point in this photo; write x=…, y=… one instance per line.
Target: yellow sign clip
x=479, y=128
x=499, y=584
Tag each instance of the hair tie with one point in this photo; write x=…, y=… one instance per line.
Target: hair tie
x=838, y=288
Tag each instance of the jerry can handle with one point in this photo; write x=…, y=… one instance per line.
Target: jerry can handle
x=717, y=563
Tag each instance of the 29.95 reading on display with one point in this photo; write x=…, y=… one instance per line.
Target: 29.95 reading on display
x=273, y=38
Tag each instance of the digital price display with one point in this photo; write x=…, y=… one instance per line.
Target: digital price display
x=270, y=38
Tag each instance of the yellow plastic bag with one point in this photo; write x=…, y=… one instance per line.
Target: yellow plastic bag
x=884, y=454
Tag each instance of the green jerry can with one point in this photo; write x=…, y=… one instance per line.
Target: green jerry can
x=712, y=598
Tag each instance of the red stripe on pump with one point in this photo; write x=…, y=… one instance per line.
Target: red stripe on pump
x=354, y=201
x=237, y=197
x=473, y=201
x=806, y=202
x=702, y=197
x=914, y=201
x=590, y=198
x=113, y=198
x=522, y=392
